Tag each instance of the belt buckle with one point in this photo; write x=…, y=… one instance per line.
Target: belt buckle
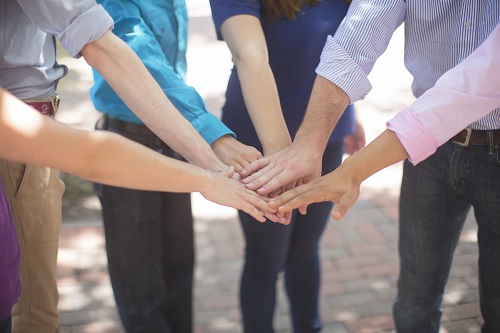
x=467, y=138
x=55, y=103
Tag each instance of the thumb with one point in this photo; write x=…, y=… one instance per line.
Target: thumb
x=229, y=172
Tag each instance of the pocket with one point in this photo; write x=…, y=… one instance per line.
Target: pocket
x=14, y=177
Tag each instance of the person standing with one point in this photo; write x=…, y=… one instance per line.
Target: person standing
x=29, y=70
x=158, y=244
x=436, y=194
x=86, y=154
x=275, y=47
x=414, y=133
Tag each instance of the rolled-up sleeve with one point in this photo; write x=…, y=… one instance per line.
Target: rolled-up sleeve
x=75, y=23
x=464, y=94
x=349, y=56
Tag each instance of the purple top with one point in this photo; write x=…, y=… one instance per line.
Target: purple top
x=10, y=255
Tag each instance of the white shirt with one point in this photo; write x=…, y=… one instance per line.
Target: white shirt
x=439, y=34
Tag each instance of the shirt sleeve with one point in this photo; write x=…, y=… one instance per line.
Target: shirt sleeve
x=132, y=29
x=349, y=56
x=75, y=23
x=464, y=94
x=224, y=9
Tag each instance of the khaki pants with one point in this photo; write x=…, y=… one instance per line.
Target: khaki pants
x=35, y=194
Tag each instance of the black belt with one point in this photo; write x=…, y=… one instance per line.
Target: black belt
x=469, y=136
x=126, y=127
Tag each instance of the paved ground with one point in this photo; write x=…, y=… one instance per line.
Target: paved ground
x=359, y=254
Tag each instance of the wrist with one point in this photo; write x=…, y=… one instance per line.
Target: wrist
x=274, y=146
x=207, y=181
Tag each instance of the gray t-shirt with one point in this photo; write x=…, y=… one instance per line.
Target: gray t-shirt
x=28, y=28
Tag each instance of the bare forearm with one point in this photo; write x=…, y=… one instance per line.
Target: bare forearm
x=100, y=156
x=261, y=98
x=245, y=39
x=326, y=106
x=124, y=71
x=382, y=152
x=113, y=160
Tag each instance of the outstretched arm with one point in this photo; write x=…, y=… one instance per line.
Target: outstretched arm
x=106, y=157
x=346, y=61
x=246, y=41
x=342, y=185
x=301, y=161
x=462, y=95
x=125, y=72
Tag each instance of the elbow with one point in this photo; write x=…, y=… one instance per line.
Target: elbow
x=250, y=56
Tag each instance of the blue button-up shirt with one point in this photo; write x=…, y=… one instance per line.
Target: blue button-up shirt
x=157, y=31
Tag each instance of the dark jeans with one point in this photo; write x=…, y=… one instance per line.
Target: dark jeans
x=436, y=196
x=294, y=249
x=150, y=247
x=6, y=325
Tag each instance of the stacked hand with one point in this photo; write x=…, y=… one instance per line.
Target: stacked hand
x=289, y=178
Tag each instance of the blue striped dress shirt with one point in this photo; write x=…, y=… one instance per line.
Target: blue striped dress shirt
x=439, y=34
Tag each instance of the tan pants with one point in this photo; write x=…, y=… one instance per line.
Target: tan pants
x=35, y=194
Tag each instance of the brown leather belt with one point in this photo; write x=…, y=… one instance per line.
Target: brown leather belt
x=47, y=106
x=469, y=136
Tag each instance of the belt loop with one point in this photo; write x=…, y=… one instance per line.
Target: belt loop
x=491, y=143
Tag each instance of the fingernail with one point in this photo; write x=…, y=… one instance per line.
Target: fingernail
x=249, y=184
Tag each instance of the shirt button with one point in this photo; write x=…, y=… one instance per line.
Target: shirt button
x=467, y=24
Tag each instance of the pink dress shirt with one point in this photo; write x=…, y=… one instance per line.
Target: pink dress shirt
x=464, y=94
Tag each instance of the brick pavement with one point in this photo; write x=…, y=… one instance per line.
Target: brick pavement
x=358, y=255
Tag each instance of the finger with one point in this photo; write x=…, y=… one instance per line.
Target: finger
x=256, y=213
x=296, y=201
x=254, y=166
x=271, y=181
x=340, y=209
x=238, y=167
x=261, y=178
x=275, y=218
x=290, y=186
x=229, y=172
x=286, y=197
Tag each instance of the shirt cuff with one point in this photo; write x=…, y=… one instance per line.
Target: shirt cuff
x=95, y=22
x=210, y=127
x=338, y=67
x=417, y=140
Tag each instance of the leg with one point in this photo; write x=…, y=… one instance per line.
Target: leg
x=302, y=273
x=432, y=213
x=35, y=195
x=265, y=255
x=149, y=240
x=6, y=325
x=482, y=182
x=178, y=249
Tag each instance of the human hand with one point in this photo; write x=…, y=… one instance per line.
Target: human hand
x=234, y=153
x=356, y=141
x=227, y=191
x=292, y=166
x=338, y=186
